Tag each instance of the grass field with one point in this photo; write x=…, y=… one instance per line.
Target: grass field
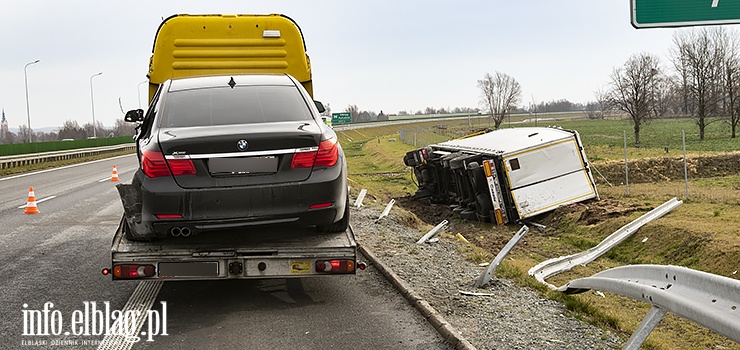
x=703, y=233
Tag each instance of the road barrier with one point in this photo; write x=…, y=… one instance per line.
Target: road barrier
x=433, y=232
x=485, y=277
x=707, y=299
x=7, y=162
x=549, y=268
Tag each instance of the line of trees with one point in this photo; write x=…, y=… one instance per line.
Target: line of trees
x=702, y=82
x=69, y=130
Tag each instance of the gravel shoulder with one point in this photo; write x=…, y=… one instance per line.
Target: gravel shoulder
x=512, y=318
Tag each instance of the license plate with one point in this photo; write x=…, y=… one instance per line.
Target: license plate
x=191, y=269
x=245, y=165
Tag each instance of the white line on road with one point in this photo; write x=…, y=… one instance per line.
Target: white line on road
x=106, y=179
x=38, y=201
x=64, y=167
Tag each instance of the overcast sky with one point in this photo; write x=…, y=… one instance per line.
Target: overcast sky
x=380, y=55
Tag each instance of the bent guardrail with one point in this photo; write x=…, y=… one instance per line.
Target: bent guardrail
x=551, y=267
x=7, y=162
x=707, y=299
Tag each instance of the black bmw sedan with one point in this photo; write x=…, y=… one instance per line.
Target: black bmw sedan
x=223, y=152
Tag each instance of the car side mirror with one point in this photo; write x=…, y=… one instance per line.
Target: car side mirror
x=320, y=106
x=134, y=115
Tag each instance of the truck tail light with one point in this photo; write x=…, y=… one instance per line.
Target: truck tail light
x=327, y=155
x=335, y=266
x=154, y=165
x=133, y=271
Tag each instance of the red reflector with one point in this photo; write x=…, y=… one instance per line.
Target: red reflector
x=168, y=216
x=321, y=205
x=335, y=266
x=133, y=271
x=105, y=272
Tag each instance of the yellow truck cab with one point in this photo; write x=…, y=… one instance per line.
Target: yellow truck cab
x=202, y=45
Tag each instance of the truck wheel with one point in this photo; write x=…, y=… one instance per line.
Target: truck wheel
x=339, y=226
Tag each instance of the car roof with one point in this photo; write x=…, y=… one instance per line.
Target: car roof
x=224, y=80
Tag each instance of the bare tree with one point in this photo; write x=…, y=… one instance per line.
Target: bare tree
x=731, y=81
x=123, y=128
x=633, y=89
x=501, y=93
x=354, y=112
x=698, y=57
x=23, y=133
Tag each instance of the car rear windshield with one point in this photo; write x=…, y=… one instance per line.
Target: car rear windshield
x=240, y=105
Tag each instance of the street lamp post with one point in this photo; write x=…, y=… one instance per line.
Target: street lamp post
x=92, y=103
x=138, y=90
x=28, y=113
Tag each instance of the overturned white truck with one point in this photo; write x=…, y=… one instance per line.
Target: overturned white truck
x=505, y=175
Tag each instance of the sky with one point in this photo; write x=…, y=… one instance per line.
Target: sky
x=379, y=55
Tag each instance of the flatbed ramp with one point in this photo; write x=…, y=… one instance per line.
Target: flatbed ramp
x=264, y=252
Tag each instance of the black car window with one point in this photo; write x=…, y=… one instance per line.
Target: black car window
x=240, y=105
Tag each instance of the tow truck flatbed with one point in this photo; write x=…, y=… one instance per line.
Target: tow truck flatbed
x=258, y=252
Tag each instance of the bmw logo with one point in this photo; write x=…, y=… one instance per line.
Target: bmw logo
x=242, y=145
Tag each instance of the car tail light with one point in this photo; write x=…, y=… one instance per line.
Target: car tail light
x=335, y=266
x=327, y=155
x=154, y=165
x=133, y=271
x=181, y=167
x=303, y=159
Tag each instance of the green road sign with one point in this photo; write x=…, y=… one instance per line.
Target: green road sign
x=681, y=13
x=341, y=118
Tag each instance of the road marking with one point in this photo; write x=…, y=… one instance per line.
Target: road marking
x=64, y=167
x=141, y=301
x=38, y=201
x=106, y=179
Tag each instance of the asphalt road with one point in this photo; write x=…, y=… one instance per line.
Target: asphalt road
x=55, y=257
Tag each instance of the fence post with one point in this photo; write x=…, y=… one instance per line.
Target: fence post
x=626, y=169
x=685, y=165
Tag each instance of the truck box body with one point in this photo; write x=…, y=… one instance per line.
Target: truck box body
x=201, y=45
x=258, y=252
x=521, y=171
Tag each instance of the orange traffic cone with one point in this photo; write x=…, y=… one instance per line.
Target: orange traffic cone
x=114, y=177
x=31, y=204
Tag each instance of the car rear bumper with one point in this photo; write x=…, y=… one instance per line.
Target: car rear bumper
x=233, y=207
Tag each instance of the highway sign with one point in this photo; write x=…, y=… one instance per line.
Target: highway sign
x=682, y=13
x=341, y=118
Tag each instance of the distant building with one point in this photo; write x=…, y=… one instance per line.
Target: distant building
x=3, y=127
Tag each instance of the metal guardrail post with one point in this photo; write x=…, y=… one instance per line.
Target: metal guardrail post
x=360, y=198
x=644, y=329
x=387, y=210
x=485, y=277
x=433, y=232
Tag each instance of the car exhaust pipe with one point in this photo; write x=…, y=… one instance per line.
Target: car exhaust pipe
x=176, y=231
x=185, y=232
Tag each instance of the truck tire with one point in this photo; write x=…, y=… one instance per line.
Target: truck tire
x=339, y=226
